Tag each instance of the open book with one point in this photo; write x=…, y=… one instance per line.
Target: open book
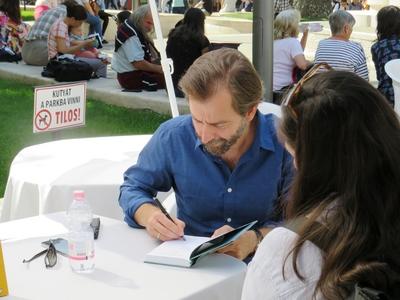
x=184, y=253
x=97, y=37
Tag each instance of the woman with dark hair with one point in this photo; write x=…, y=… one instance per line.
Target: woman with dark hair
x=11, y=9
x=345, y=140
x=12, y=30
x=387, y=47
x=186, y=42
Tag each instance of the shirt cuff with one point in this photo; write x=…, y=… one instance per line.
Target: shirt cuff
x=130, y=212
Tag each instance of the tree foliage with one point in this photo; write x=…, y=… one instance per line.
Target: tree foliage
x=313, y=8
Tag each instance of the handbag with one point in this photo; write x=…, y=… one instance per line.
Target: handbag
x=67, y=69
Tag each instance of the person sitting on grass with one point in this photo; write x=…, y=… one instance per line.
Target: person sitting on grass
x=136, y=59
x=59, y=41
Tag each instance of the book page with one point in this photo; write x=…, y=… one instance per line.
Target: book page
x=178, y=248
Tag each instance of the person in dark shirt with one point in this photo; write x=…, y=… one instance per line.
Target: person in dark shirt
x=387, y=47
x=186, y=42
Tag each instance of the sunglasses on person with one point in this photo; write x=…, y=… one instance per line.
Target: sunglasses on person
x=50, y=258
x=292, y=94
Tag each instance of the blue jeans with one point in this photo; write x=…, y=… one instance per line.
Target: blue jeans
x=95, y=24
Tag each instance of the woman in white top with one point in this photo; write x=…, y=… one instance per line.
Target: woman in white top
x=288, y=51
x=345, y=140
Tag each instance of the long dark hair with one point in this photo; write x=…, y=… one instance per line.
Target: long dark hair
x=388, y=19
x=194, y=19
x=346, y=140
x=11, y=9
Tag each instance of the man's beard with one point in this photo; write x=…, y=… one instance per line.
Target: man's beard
x=220, y=146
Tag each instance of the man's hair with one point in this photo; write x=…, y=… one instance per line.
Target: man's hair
x=286, y=24
x=388, y=22
x=194, y=19
x=137, y=17
x=77, y=12
x=346, y=139
x=339, y=19
x=224, y=68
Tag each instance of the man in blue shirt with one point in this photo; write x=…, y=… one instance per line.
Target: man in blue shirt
x=224, y=161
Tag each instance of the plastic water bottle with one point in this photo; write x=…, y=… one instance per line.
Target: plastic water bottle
x=80, y=241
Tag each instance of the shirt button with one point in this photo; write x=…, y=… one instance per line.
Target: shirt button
x=229, y=190
x=229, y=220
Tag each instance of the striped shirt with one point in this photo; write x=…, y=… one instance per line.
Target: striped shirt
x=343, y=55
x=40, y=29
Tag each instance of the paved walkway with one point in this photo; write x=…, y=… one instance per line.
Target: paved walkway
x=109, y=91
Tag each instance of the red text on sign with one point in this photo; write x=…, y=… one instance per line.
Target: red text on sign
x=67, y=116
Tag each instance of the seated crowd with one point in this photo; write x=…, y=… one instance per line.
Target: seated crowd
x=338, y=51
x=137, y=61
x=322, y=182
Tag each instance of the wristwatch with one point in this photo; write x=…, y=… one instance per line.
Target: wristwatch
x=259, y=236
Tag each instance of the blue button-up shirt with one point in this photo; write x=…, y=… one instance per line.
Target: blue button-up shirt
x=208, y=194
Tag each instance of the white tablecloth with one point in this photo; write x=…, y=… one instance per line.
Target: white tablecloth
x=42, y=177
x=119, y=274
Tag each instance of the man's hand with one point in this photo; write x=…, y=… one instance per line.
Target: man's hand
x=242, y=247
x=157, y=224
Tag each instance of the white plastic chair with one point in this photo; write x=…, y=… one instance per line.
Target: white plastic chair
x=392, y=68
x=270, y=108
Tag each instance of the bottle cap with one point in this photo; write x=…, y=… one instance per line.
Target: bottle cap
x=79, y=195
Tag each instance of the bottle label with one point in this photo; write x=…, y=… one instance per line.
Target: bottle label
x=81, y=251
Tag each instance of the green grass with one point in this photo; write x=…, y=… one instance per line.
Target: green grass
x=27, y=15
x=16, y=111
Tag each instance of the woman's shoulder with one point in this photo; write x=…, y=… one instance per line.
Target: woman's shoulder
x=275, y=252
x=287, y=42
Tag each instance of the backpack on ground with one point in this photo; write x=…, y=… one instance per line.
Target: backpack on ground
x=67, y=69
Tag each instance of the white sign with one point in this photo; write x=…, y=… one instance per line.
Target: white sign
x=59, y=106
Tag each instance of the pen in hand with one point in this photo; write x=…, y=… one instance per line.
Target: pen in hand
x=164, y=211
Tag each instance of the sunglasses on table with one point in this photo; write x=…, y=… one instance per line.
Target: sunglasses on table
x=293, y=93
x=50, y=258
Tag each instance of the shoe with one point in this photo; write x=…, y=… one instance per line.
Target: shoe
x=104, y=41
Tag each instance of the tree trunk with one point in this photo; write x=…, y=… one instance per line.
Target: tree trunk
x=313, y=8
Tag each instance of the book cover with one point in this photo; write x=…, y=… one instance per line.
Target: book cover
x=185, y=253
